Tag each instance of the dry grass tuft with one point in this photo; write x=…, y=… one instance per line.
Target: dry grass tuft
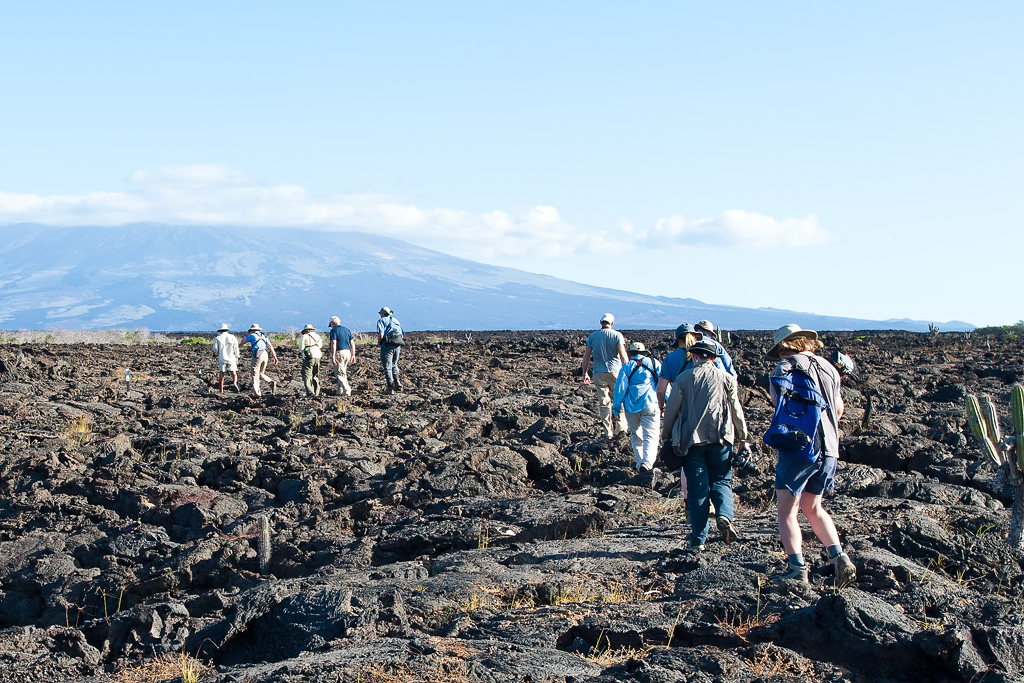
x=165, y=667
x=78, y=431
x=673, y=509
x=742, y=624
x=773, y=662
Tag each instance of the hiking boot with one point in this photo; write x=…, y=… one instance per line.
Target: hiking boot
x=846, y=572
x=794, y=572
x=695, y=547
x=273, y=386
x=647, y=478
x=727, y=530
x=390, y=389
x=398, y=385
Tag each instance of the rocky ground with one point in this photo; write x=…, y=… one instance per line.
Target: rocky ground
x=474, y=528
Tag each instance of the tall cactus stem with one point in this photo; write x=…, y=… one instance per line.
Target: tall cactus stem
x=988, y=411
x=263, y=545
x=1017, y=412
x=977, y=423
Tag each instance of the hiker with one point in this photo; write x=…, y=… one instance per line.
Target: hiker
x=225, y=345
x=262, y=349
x=636, y=392
x=391, y=340
x=799, y=485
x=703, y=420
x=343, y=353
x=677, y=360
x=608, y=350
x=310, y=348
x=707, y=331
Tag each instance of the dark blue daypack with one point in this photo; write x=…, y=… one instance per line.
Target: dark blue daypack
x=795, y=431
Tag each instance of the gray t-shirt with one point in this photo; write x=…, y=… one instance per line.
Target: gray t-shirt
x=604, y=348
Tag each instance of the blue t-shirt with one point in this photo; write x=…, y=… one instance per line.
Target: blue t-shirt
x=343, y=336
x=258, y=342
x=604, y=349
x=387, y=325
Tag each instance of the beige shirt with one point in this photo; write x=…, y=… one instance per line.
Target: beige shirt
x=704, y=407
x=311, y=341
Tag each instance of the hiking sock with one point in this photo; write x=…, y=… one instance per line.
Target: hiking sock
x=796, y=560
x=834, y=551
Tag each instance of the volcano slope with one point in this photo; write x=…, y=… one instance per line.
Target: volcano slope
x=475, y=528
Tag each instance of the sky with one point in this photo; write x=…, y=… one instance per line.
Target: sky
x=849, y=159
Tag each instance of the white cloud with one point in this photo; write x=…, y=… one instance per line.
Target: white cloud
x=737, y=228
x=215, y=194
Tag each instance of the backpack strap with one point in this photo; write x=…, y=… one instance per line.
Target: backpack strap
x=637, y=366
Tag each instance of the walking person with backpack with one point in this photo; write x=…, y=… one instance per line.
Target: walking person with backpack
x=391, y=340
x=310, y=348
x=262, y=351
x=636, y=393
x=805, y=430
x=704, y=422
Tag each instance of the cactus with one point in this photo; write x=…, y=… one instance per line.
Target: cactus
x=1017, y=410
x=263, y=545
x=977, y=422
x=988, y=412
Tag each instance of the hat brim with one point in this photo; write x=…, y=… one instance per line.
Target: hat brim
x=806, y=334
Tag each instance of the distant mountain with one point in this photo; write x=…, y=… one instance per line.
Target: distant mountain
x=192, y=278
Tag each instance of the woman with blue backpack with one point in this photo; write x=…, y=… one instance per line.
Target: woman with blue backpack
x=805, y=432
x=636, y=391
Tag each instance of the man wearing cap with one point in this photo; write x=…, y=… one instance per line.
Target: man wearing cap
x=707, y=331
x=799, y=485
x=391, y=340
x=310, y=349
x=225, y=345
x=608, y=350
x=262, y=350
x=636, y=392
x=343, y=352
x=703, y=420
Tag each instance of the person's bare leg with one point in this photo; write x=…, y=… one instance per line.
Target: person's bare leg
x=820, y=521
x=789, y=526
x=222, y=382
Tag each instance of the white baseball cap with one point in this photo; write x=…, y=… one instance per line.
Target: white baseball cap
x=608, y=318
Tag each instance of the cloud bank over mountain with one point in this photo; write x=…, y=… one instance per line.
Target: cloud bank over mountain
x=190, y=278
x=213, y=194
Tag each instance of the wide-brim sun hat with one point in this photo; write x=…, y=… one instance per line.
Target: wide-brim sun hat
x=308, y=328
x=386, y=311
x=223, y=328
x=787, y=332
x=704, y=346
x=638, y=347
x=254, y=328
x=608, y=318
x=705, y=326
x=684, y=329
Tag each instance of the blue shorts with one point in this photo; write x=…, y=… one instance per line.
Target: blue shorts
x=813, y=477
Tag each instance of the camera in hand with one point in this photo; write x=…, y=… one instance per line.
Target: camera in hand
x=742, y=463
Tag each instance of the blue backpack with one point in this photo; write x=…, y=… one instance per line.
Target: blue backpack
x=795, y=431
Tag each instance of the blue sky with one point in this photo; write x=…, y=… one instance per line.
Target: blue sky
x=857, y=159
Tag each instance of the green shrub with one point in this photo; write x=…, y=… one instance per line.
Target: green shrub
x=196, y=341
